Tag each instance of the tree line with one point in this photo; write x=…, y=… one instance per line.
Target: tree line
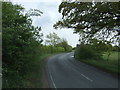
x=22, y=44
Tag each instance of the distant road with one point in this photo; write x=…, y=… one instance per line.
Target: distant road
x=63, y=71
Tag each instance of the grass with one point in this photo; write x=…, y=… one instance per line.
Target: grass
x=30, y=80
x=110, y=65
x=34, y=77
x=33, y=74
x=113, y=57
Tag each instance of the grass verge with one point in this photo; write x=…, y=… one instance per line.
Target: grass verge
x=34, y=77
x=111, y=65
x=104, y=65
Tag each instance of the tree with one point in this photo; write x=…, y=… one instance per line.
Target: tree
x=91, y=19
x=20, y=44
x=65, y=45
x=52, y=39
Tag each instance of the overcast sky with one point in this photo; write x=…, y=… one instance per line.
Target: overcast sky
x=49, y=17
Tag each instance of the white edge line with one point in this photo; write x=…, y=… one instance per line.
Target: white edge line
x=52, y=80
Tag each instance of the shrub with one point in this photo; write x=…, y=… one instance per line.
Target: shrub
x=87, y=52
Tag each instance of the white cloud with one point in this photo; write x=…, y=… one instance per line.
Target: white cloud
x=50, y=16
x=19, y=1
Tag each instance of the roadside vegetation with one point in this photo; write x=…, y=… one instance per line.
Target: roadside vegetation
x=23, y=52
x=99, y=30
x=106, y=61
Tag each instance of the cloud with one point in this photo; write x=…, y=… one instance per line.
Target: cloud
x=50, y=16
x=49, y=12
x=19, y=1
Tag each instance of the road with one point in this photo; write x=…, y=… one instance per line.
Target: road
x=63, y=71
x=0, y=81
x=0, y=76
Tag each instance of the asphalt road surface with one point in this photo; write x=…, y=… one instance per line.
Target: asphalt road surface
x=63, y=71
x=0, y=76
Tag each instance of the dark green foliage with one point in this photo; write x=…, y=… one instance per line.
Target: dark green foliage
x=64, y=44
x=87, y=52
x=116, y=48
x=73, y=48
x=91, y=20
x=94, y=50
x=93, y=16
x=22, y=48
x=20, y=45
x=47, y=49
x=69, y=48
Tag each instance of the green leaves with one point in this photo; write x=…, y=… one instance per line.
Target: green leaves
x=64, y=44
x=52, y=39
x=90, y=18
x=33, y=12
x=21, y=41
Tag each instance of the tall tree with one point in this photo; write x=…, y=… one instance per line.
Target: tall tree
x=20, y=44
x=52, y=39
x=64, y=44
x=91, y=19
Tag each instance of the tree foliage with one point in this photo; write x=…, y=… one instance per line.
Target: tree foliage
x=52, y=39
x=64, y=44
x=20, y=44
x=92, y=19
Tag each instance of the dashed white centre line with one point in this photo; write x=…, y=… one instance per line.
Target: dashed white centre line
x=87, y=77
x=72, y=56
x=83, y=75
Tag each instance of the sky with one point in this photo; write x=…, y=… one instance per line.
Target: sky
x=49, y=17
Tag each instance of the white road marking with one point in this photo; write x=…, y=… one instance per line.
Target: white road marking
x=83, y=75
x=52, y=81
x=72, y=56
x=87, y=77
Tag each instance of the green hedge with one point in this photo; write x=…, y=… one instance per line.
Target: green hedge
x=87, y=52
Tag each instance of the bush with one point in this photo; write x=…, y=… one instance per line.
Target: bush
x=87, y=52
x=69, y=48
